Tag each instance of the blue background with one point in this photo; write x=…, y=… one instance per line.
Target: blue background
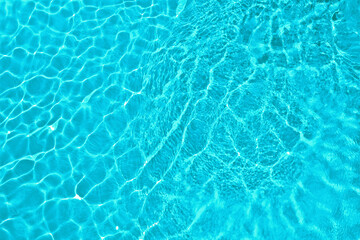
x=179, y=119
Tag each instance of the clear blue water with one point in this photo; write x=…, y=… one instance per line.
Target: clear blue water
x=179, y=119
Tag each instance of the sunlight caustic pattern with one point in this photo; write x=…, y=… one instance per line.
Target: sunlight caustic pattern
x=179, y=119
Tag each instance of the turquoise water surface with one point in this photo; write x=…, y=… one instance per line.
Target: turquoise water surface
x=179, y=119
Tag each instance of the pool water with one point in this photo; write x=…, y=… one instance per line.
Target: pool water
x=179, y=119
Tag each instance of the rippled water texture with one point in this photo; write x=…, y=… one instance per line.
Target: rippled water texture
x=179, y=119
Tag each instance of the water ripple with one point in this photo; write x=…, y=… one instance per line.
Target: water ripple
x=179, y=119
